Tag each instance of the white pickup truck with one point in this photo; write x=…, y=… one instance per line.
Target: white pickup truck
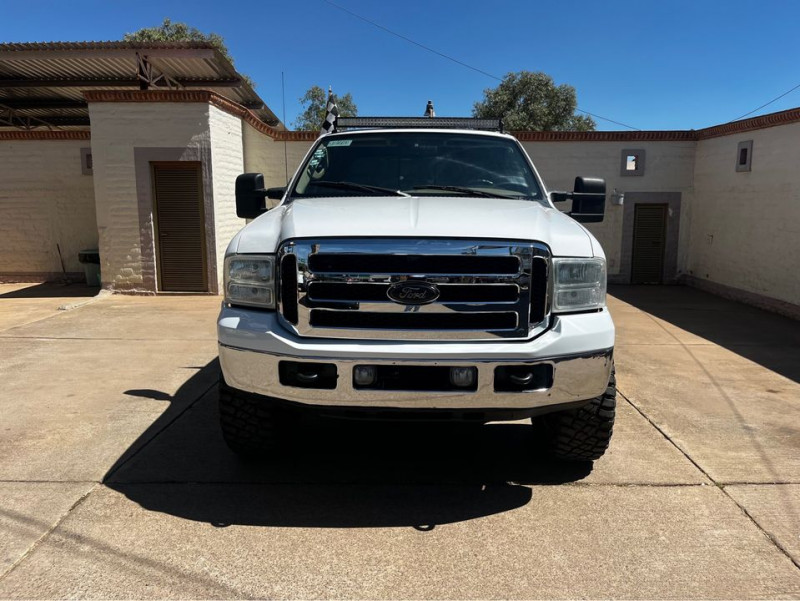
x=415, y=271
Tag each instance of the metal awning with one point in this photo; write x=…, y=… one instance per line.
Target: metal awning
x=42, y=83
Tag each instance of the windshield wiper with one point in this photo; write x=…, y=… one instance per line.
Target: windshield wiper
x=359, y=187
x=464, y=190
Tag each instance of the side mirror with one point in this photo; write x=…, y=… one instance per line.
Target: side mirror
x=588, y=199
x=276, y=193
x=250, y=194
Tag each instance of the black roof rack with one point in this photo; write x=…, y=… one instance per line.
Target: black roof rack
x=419, y=122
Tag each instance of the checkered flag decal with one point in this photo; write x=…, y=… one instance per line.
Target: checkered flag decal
x=331, y=114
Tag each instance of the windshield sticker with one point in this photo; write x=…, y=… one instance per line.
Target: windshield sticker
x=339, y=143
x=316, y=157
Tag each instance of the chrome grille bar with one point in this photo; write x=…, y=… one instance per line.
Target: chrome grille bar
x=484, y=288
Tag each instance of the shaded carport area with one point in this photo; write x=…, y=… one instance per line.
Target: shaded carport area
x=114, y=480
x=42, y=84
x=53, y=197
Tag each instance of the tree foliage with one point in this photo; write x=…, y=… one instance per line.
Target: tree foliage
x=314, y=103
x=181, y=32
x=531, y=101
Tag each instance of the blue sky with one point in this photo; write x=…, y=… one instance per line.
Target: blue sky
x=652, y=65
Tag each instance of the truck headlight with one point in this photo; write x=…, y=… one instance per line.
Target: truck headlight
x=580, y=284
x=250, y=280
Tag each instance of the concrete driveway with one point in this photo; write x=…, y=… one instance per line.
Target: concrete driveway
x=114, y=480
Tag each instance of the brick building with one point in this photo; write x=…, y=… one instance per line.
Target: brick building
x=103, y=144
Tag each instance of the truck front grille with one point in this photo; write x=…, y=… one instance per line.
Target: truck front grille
x=404, y=264
x=339, y=288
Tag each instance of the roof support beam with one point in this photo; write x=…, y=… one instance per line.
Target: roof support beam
x=58, y=120
x=149, y=76
x=77, y=82
x=43, y=103
x=11, y=118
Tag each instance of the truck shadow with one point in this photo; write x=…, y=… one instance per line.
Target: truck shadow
x=335, y=474
x=52, y=290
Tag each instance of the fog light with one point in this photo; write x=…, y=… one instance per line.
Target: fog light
x=365, y=375
x=463, y=377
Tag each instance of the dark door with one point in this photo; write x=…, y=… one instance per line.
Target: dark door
x=649, y=241
x=180, y=227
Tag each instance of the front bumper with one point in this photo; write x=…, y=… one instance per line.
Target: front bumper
x=578, y=347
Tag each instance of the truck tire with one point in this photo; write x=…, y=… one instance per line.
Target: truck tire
x=581, y=434
x=249, y=424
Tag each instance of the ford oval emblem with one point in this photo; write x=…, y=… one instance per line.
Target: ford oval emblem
x=413, y=293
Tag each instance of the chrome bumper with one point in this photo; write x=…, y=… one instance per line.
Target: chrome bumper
x=579, y=347
x=575, y=378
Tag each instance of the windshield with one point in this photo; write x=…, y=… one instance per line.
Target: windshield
x=418, y=164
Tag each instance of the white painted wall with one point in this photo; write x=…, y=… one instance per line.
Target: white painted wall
x=669, y=167
x=118, y=128
x=722, y=212
x=44, y=200
x=262, y=154
x=745, y=231
x=227, y=162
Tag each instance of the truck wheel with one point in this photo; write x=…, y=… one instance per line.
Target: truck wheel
x=581, y=434
x=248, y=423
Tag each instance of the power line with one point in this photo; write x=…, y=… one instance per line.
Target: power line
x=455, y=60
x=409, y=40
x=580, y=110
x=768, y=103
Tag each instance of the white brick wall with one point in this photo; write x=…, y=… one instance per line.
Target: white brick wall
x=722, y=212
x=118, y=128
x=264, y=155
x=227, y=162
x=745, y=230
x=668, y=168
x=44, y=200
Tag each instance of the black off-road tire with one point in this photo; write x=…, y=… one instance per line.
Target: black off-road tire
x=581, y=434
x=250, y=425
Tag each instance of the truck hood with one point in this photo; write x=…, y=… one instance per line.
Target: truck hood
x=415, y=217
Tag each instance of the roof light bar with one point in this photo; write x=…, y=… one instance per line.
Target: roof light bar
x=419, y=122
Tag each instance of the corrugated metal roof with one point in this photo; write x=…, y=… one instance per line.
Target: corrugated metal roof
x=33, y=73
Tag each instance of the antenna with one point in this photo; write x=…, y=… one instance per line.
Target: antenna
x=285, y=154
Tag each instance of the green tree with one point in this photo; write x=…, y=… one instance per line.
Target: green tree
x=314, y=103
x=181, y=32
x=531, y=101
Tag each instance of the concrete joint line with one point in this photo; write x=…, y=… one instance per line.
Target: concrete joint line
x=251, y=483
x=667, y=437
x=12, y=481
x=719, y=485
x=766, y=534
x=110, y=474
x=60, y=308
x=82, y=303
x=745, y=483
x=35, y=545
x=83, y=497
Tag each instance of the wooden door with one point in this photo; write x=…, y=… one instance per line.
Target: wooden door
x=180, y=227
x=649, y=242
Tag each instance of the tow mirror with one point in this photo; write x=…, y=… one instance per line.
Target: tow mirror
x=276, y=193
x=588, y=199
x=250, y=194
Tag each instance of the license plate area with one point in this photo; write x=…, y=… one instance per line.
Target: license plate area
x=430, y=378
